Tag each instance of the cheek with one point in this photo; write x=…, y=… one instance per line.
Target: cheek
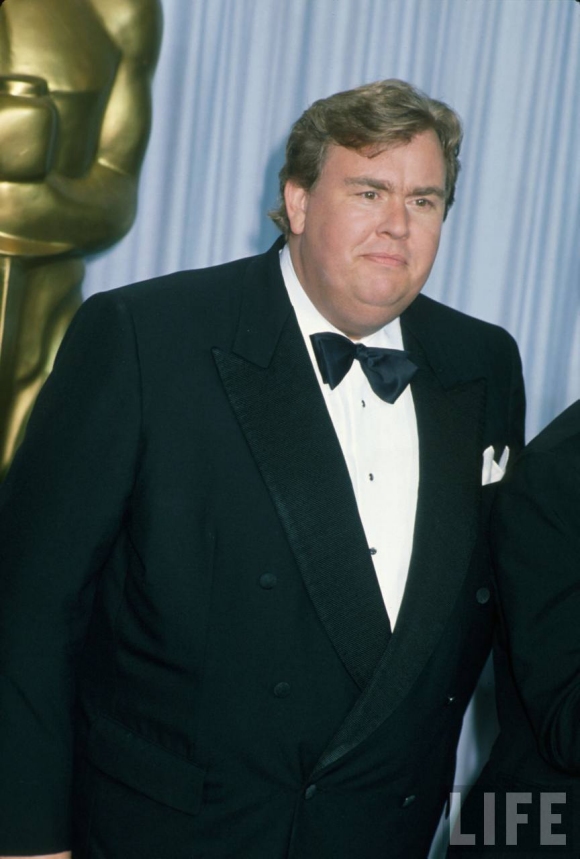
x=428, y=248
x=342, y=225
x=332, y=242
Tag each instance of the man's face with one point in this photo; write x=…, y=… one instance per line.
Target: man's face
x=364, y=238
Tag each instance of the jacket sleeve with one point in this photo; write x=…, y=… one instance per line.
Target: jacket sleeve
x=60, y=508
x=537, y=552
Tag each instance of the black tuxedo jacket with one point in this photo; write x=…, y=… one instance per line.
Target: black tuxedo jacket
x=536, y=549
x=193, y=635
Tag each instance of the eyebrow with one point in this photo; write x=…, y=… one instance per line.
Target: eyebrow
x=429, y=191
x=378, y=185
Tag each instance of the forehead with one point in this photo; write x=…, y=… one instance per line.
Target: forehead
x=419, y=160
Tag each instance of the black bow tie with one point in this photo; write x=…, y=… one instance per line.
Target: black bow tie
x=389, y=371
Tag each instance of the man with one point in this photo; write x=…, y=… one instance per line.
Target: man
x=533, y=770
x=273, y=594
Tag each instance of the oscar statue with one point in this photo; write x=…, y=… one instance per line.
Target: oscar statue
x=75, y=116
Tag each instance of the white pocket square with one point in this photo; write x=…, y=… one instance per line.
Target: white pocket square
x=492, y=470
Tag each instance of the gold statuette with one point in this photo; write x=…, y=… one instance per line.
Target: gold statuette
x=75, y=115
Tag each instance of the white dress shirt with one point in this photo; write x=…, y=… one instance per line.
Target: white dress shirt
x=380, y=445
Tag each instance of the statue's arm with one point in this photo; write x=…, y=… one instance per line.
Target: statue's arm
x=135, y=28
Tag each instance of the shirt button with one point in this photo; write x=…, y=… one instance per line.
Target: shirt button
x=373, y=551
x=409, y=800
x=282, y=690
x=310, y=791
x=363, y=404
x=482, y=596
x=371, y=477
x=268, y=581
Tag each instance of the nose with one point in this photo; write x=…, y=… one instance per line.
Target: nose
x=394, y=219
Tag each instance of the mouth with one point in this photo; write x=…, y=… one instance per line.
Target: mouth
x=387, y=260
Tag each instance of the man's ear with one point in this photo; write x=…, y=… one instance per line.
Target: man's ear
x=296, y=200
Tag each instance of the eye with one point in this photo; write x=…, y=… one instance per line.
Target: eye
x=424, y=203
x=369, y=195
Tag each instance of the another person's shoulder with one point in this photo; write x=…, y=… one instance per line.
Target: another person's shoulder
x=562, y=431
x=549, y=466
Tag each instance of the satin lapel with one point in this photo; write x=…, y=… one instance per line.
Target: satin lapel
x=450, y=425
x=281, y=411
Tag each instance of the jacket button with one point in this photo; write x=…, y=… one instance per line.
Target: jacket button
x=482, y=596
x=409, y=800
x=282, y=690
x=310, y=791
x=268, y=581
x=450, y=699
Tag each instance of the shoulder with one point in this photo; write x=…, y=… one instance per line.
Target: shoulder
x=185, y=303
x=459, y=327
x=467, y=347
x=461, y=349
x=188, y=285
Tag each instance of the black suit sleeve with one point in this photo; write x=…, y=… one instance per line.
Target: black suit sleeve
x=60, y=509
x=537, y=552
